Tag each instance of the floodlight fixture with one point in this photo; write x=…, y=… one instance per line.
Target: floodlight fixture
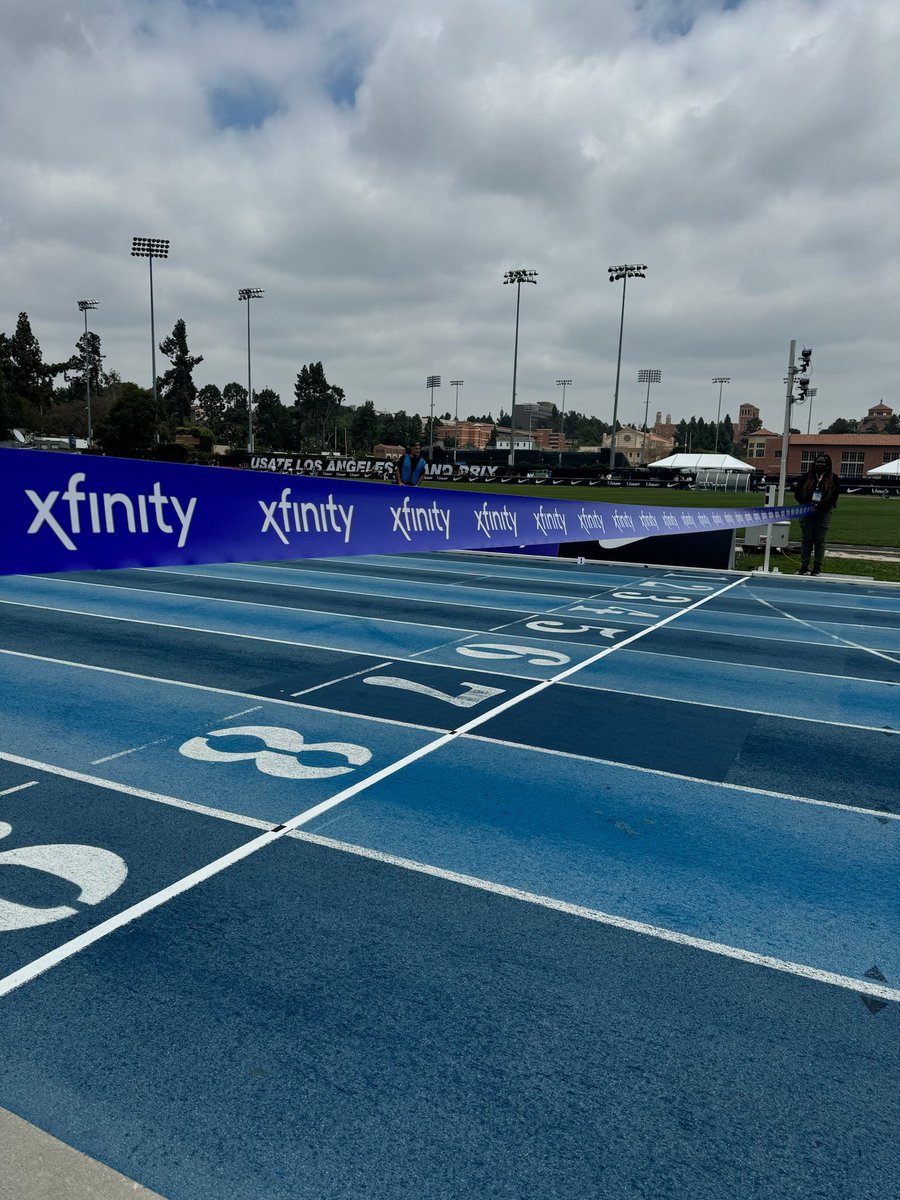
x=249, y=294
x=812, y=393
x=623, y=271
x=518, y=277
x=647, y=375
x=431, y=383
x=457, y=384
x=150, y=248
x=86, y=306
x=720, y=380
x=563, y=383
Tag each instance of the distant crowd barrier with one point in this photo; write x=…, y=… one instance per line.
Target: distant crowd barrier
x=62, y=512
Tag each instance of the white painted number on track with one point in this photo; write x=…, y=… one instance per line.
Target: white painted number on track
x=476, y=694
x=281, y=758
x=652, y=599
x=542, y=658
x=97, y=873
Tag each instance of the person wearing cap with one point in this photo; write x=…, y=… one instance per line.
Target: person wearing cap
x=410, y=469
x=821, y=487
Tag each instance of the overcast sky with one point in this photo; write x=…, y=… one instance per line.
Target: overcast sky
x=377, y=165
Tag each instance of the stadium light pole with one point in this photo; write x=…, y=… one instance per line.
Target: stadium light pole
x=151, y=248
x=85, y=306
x=647, y=376
x=518, y=277
x=623, y=271
x=811, y=393
x=431, y=383
x=720, y=380
x=249, y=294
x=563, y=383
x=456, y=383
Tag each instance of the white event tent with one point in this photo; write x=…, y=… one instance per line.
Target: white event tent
x=703, y=462
x=888, y=468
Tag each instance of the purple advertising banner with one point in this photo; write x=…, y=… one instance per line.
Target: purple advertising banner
x=67, y=512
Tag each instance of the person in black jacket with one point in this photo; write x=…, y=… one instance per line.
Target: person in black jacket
x=819, y=486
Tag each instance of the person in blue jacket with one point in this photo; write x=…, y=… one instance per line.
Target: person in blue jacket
x=410, y=469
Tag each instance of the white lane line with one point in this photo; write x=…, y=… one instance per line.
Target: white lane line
x=21, y=787
x=751, y=667
x=711, y=783
x=865, y=986
x=483, y=669
x=217, y=691
x=76, y=945
x=384, y=594
x=264, y=609
x=753, y=712
x=242, y=713
x=825, y=633
x=95, y=762
x=126, y=789
x=343, y=679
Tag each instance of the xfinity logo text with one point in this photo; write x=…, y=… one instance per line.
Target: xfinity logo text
x=492, y=520
x=550, y=521
x=591, y=522
x=410, y=519
x=287, y=516
x=98, y=512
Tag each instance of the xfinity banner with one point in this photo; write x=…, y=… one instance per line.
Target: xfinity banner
x=64, y=512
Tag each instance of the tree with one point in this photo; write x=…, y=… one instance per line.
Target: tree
x=893, y=425
x=272, y=420
x=364, y=428
x=212, y=406
x=178, y=390
x=316, y=406
x=132, y=425
x=842, y=426
x=28, y=378
x=234, y=427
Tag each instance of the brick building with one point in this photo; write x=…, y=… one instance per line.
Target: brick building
x=469, y=435
x=852, y=454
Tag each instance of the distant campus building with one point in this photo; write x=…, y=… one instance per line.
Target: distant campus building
x=852, y=454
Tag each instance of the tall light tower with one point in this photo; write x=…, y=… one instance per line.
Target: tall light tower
x=151, y=248
x=720, y=380
x=623, y=271
x=85, y=305
x=811, y=393
x=517, y=277
x=249, y=294
x=563, y=383
x=456, y=383
x=431, y=383
x=647, y=376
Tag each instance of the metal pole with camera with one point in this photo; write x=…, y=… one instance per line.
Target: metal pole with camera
x=797, y=376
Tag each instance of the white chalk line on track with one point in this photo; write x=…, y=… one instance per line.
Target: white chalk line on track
x=863, y=986
x=535, y=593
x=825, y=633
x=75, y=945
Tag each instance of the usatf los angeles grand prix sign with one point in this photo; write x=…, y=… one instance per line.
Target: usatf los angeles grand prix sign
x=63, y=512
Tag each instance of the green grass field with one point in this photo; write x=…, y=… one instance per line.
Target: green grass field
x=862, y=521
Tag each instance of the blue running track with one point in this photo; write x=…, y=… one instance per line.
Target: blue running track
x=454, y=876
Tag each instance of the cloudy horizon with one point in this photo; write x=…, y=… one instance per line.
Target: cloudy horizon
x=377, y=165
